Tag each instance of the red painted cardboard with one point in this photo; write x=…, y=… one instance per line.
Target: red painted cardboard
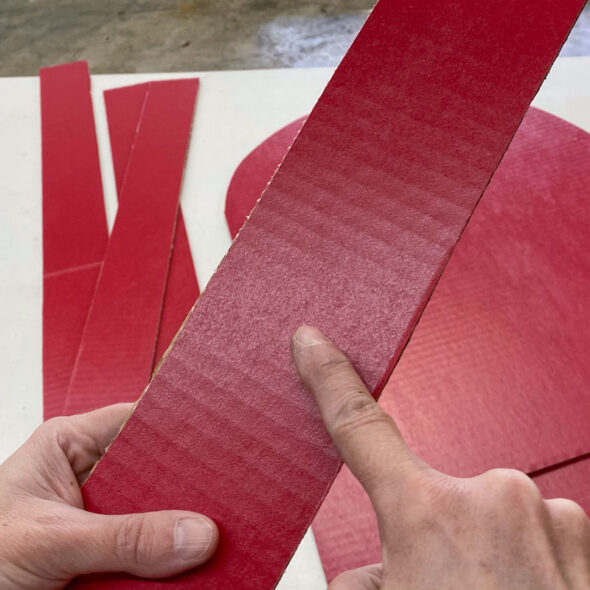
x=75, y=230
x=351, y=235
x=116, y=355
x=518, y=182
x=254, y=173
x=514, y=295
x=123, y=108
x=496, y=373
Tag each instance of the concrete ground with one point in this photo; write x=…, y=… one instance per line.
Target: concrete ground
x=172, y=35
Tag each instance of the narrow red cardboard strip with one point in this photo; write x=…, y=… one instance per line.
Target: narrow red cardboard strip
x=496, y=373
x=254, y=173
x=123, y=108
x=117, y=351
x=351, y=235
x=75, y=230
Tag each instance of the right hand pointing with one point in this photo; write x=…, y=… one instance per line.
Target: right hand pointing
x=493, y=531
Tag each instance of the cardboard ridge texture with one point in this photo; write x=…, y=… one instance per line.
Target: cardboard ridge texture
x=351, y=235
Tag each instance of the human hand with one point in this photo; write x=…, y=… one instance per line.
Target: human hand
x=493, y=531
x=46, y=537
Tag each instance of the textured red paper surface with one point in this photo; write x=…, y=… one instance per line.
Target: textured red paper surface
x=254, y=173
x=123, y=107
x=496, y=373
x=351, y=235
x=74, y=222
x=117, y=351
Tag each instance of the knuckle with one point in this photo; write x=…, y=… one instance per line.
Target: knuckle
x=568, y=511
x=512, y=486
x=135, y=540
x=357, y=409
x=571, y=524
x=56, y=431
x=333, y=366
x=508, y=499
x=53, y=427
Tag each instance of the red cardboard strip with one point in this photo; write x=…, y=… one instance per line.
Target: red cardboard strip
x=75, y=230
x=351, y=235
x=496, y=373
x=254, y=173
x=117, y=351
x=123, y=108
x=182, y=290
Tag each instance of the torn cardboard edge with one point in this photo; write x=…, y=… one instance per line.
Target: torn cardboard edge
x=254, y=174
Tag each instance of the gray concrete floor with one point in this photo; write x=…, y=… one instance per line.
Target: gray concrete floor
x=170, y=35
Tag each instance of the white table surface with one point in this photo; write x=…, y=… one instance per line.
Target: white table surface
x=235, y=112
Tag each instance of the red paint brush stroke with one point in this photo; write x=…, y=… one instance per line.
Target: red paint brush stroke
x=351, y=235
x=117, y=351
x=75, y=230
x=497, y=372
x=254, y=173
x=123, y=108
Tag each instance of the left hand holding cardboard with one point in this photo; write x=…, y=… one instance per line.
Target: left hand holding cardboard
x=46, y=536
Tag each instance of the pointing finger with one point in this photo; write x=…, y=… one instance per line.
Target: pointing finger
x=367, y=437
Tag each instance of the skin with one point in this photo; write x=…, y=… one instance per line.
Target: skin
x=438, y=532
x=489, y=532
x=46, y=537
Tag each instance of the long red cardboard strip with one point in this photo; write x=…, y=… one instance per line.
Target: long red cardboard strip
x=123, y=107
x=254, y=173
x=496, y=373
x=75, y=230
x=351, y=235
x=116, y=355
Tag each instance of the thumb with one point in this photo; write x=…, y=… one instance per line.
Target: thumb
x=369, y=577
x=150, y=545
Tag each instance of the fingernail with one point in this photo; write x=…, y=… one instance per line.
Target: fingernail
x=308, y=336
x=193, y=538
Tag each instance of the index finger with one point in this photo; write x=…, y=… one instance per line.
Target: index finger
x=367, y=437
